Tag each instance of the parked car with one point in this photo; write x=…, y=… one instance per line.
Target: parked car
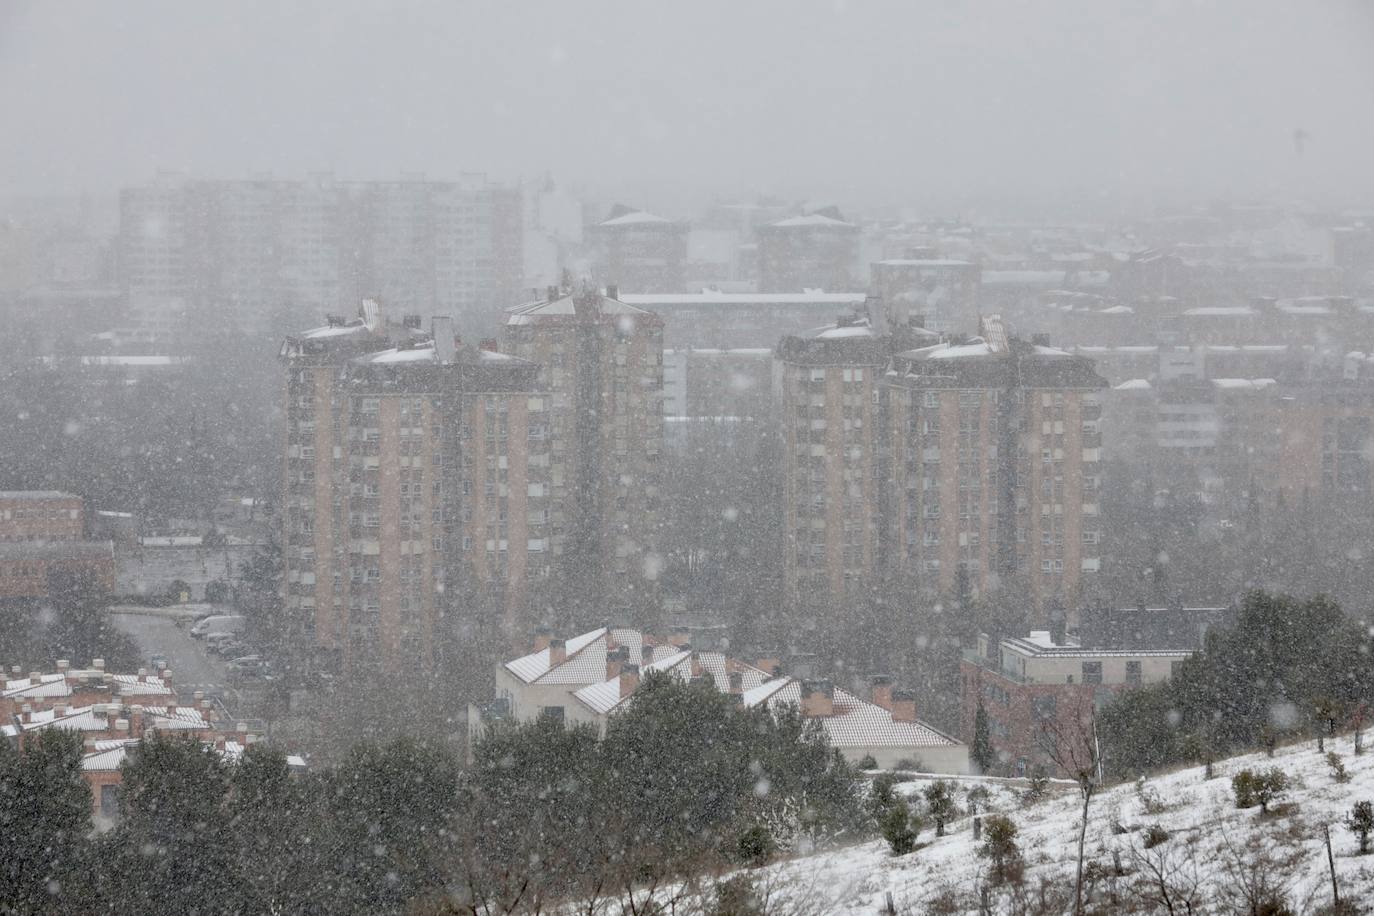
x=223, y=644
x=218, y=623
x=247, y=665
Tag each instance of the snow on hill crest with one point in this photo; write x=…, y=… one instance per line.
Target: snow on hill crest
x=1214, y=847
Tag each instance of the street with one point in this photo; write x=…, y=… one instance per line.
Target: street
x=192, y=667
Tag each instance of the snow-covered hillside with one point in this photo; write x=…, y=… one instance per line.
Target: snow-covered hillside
x=1214, y=848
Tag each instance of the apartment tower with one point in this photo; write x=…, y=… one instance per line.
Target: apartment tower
x=601, y=361
x=416, y=488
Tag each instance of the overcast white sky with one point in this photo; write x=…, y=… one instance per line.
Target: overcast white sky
x=856, y=101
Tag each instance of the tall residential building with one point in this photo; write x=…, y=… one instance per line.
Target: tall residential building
x=601, y=360
x=830, y=464
x=640, y=252
x=417, y=482
x=939, y=294
x=817, y=251
x=943, y=465
x=991, y=479
x=251, y=254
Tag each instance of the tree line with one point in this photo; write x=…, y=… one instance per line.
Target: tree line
x=1284, y=668
x=685, y=781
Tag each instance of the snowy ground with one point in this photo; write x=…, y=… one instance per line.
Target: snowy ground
x=1213, y=846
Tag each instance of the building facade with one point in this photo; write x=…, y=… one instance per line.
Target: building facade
x=253, y=254
x=640, y=252
x=990, y=479
x=601, y=362
x=589, y=678
x=417, y=488
x=816, y=251
x=829, y=414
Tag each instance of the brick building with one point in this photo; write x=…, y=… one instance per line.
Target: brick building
x=829, y=413
x=816, y=251
x=639, y=252
x=417, y=487
x=41, y=515
x=990, y=478
x=1047, y=683
x=42, y=532
x=601, y=362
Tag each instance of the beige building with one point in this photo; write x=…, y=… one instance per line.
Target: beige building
x=991, y=479
x=829, y=410
x=601, y=362
x=417, y=487
x=592, y=677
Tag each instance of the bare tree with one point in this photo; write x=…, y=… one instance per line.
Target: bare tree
x=1167, y=878
x=1071, y=742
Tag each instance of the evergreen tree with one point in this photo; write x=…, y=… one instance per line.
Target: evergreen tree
x=981, y=753
x=45, y=815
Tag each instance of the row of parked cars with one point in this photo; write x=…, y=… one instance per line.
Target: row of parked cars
x=223, y=635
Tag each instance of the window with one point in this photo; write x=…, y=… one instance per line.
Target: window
x=1092, y=672
x=1044, y=706
x=551, y=713
x=1133, y=672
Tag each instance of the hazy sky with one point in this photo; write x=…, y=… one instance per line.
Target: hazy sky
x=862, y=102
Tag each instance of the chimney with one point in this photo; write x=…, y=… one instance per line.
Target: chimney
x=880, y=691
x=26, y=713
x=903, y=706
x=35, y=677
x=818, y=699
x=736, y=682
x=542, y=635
x=16, y=670
x=166, y=675
x=207, y=711
x=646, y=655
x=89, y=744
x=250, y=739
x=242, y=730
x=615, y=660
x=444, y=348
x=219, y=742
x=63, y=664
x=612, y=291
x=198, y=696
x=59, y=710
x=121, y=725
x=696, y=665
x=142, y=675
x=629, y=680
x=681, y=636
x=558, y=652
x=98, y=664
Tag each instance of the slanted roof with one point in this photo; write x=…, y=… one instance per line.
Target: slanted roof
x=811, y=221
x=853, y=722
x=567, y=306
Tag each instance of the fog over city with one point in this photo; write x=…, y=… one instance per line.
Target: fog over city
x=943, y=103
x=754, y=458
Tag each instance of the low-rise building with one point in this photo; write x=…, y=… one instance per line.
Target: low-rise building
x=592, y=677
x=1046, y=684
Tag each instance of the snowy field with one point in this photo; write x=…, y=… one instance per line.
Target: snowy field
x=1213, y=848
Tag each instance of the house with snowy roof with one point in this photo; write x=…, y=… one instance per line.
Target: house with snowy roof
x=593, y=677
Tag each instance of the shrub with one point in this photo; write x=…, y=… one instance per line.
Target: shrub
x=737, y=897
x=1333, y=760
x=1360, y=821
x=1155, y=835
x=1150, y=802
x=940, y=803
x=910, y=764
x=999, y=845
x=1038, y=787
x=756, y=846
x=900, y=829
x=881, y=795
x=868, y=763
x=1262, y=788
